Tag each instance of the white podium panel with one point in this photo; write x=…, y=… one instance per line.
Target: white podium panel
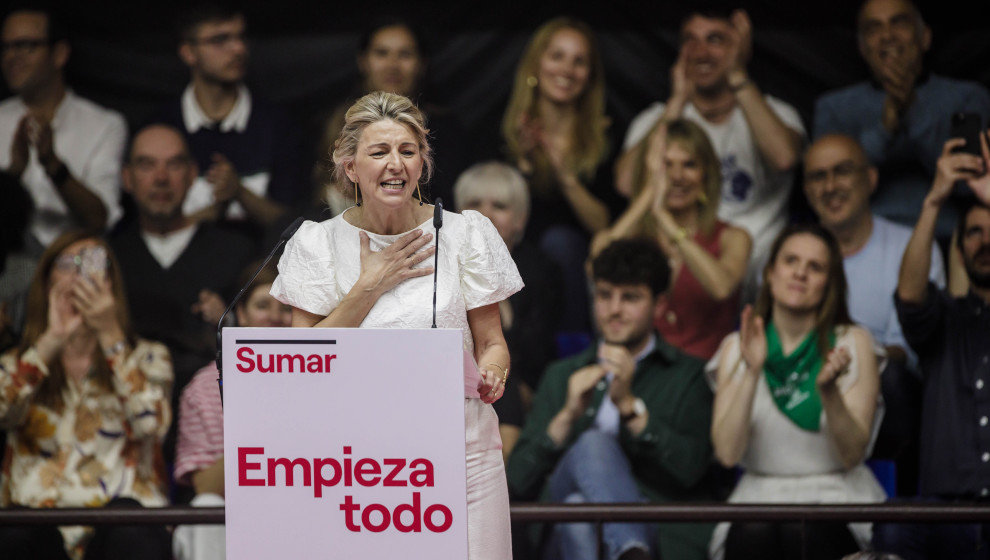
x=344, y=443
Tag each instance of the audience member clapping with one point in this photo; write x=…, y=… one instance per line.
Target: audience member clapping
x=838, y=182
x=246, y=149
x=554, y=129
x=757, y=137
x=86, y=405
x=65, y=149
x=178, y=272
x=677, y=204
x=529, y=318
x=796, y=397
x=199, y=451
x=902, y=115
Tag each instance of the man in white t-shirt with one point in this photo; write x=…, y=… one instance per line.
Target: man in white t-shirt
x=66, y=150
x=757, y=137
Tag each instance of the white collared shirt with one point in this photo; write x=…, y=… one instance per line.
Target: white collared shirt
x=90, y=141
x=237, y=119
x=169, y=247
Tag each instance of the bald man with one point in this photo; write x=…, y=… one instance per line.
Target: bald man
x=838, y=182
x=178, y=273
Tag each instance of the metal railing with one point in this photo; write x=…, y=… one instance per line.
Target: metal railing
x=532, y=512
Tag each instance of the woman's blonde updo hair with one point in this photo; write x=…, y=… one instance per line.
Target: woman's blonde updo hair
x=374, y=107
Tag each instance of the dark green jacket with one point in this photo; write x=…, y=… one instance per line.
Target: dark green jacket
x=670, y=457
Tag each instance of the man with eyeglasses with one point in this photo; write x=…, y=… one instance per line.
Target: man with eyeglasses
x=246, y=150
x=757, y=137
x=838, y=182
x=902, y=114
x=65, y=149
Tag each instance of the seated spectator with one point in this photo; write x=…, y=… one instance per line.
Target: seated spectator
x=529, y=317
x=902, y=115
x=757, y=137
x=86, y=405
x=178, y=271
x=199, y=451
x=796, y=396
x=838, y=182
x=677, y=204
x=952, y=338
x=246, y=149
x=627, y=420
x=392, y=57
x=66, y=150
x=554, y=130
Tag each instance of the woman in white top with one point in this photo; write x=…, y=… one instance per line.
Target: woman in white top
x=796, y=398
x=371, y=266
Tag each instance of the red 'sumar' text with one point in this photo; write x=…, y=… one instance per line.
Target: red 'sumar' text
x=248, y=361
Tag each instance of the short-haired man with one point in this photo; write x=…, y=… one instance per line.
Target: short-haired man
x=627, y=420
x=838, y=182
x=65, y=149
x=902, y=115
x=175, y=269
x=952, y=339
x=757, y=137
x=245, y=148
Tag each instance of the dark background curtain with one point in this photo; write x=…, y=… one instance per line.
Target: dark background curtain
x=302, y=52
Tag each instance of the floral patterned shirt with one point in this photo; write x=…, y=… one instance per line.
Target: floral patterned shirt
x=98, y=446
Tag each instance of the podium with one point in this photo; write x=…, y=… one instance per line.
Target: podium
x=344, y=443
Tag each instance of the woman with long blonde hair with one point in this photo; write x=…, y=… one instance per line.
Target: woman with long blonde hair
x=677, y=204
x=554, y=131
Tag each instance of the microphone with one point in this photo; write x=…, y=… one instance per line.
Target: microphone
x=437, y=224
x=282, y=240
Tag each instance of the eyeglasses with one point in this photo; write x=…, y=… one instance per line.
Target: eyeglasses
x=842, y=172
x=222, y=40
x=85, y=262
x=23, y=46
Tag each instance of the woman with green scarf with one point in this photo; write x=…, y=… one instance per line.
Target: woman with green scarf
x=797, y=403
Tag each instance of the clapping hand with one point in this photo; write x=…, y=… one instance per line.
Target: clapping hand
x=383, y=270
x=741, y=43
x=224, y=178
x=836, y=363
x=752, y=340
x=617, y=359
x=580, y=387
x=656, y=171
x=19, y=148
x=210, y=306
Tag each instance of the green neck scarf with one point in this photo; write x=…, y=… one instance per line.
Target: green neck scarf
x=792, y=378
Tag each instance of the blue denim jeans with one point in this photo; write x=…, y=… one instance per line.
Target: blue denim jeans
x=595, y=470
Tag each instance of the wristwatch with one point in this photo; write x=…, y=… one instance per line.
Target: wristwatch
x=639, y=409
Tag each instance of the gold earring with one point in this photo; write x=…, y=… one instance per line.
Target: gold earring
x=702, y=198
x=531, y=81
x=356, y=201
x=419, y=193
